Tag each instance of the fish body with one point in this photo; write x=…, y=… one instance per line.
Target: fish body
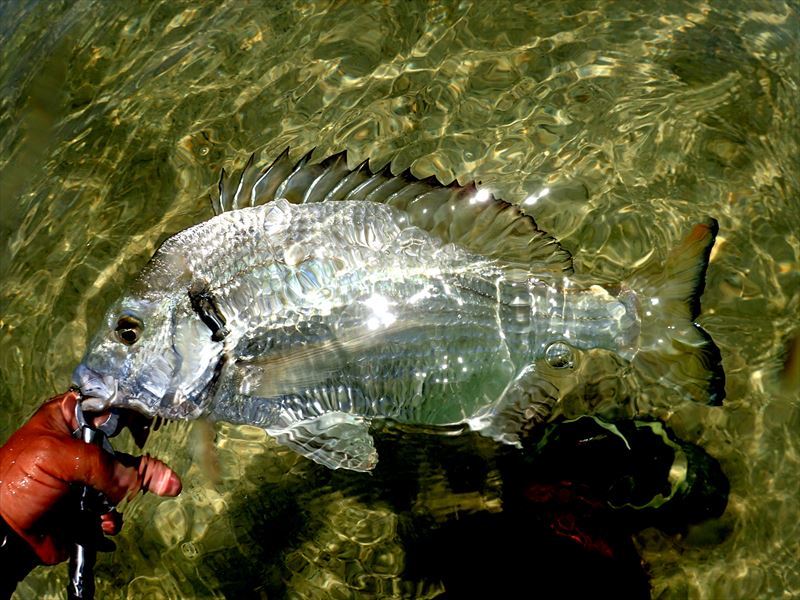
x=340, y=297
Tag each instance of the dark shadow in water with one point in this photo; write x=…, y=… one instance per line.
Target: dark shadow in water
x=571, y=500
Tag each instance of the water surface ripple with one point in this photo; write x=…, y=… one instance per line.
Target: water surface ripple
x=638, y=118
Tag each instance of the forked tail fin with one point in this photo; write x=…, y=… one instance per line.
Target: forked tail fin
x=674, y=351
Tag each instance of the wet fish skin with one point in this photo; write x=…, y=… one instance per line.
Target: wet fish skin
x=340, y=312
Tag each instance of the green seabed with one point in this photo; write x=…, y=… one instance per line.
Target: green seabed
x=618, y=126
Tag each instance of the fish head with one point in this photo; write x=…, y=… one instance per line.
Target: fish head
x=151, y=354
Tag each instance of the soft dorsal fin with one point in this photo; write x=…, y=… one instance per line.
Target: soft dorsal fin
x=464, y=215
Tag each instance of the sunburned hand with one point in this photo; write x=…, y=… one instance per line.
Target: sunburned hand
x=40, y=462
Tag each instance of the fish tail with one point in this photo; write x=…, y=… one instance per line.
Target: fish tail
x=674, y=350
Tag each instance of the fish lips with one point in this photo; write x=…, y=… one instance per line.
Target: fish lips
x=101, y=392
x=98, y=391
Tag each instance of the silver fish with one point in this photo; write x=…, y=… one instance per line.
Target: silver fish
x=321, y=298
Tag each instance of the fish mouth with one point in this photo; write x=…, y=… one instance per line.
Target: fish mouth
x=101, y=392
x=98, y=391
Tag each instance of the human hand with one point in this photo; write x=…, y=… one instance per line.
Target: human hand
x=41, y=461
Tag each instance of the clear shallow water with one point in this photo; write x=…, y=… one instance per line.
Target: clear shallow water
x=115, y=121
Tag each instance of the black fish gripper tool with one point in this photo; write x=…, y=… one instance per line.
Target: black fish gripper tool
x=92, y=504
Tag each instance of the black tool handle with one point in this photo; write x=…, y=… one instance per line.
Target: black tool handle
x=84, y=552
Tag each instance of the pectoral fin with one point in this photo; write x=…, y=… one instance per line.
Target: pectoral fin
x=296, y=365
x=336, y=440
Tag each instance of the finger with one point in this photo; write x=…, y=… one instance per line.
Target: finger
x=65, y=403
x=80, y=462
x=116, y=476
x=99, y=419
x=158, y=477
x=111, y=522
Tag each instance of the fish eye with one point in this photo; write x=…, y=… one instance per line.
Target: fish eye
x=559, y=355
x=128, y=329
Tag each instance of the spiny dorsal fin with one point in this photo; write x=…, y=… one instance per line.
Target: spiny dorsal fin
x=464, y=215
